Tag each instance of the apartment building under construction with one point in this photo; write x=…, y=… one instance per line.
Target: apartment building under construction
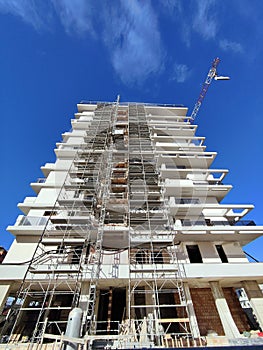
x=128, y=227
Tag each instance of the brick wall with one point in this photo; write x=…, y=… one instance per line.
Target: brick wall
x=206, y=312
x=236, y=310
x=181, y=312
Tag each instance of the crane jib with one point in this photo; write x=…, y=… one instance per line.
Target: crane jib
x=210, y=76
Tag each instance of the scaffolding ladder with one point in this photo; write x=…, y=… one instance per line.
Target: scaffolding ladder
x=90, y=326
x=155, y=275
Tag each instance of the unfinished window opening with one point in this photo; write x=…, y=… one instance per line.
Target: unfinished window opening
x=118, y=308
x=76, y=254
x=57, y=314
x=7, y=324
x=221, y=253
x=103, y=312
x=140, y=257
x=247, y=309
x=168, y=312
x=69, y=254
x=60, y=314
x=194, y=254
x=113, y=217
x=112, y=310
x=140, y=299
x=157, y=257
x=48, y=213
x=26, y=324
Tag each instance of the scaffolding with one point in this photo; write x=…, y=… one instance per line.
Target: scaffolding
x=156, y=293
x=112, y=202
x=72, y=237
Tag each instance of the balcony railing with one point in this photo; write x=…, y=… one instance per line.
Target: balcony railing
x=244, y=223
x=41, y=180
x=219, y=223
x=33, y=221
x=187, y=201
x=40, y=221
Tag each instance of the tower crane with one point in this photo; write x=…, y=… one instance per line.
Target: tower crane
x=212, y=74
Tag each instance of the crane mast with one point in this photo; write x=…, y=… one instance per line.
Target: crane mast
x=211, y=74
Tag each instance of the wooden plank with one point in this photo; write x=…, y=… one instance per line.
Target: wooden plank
x=64, y=338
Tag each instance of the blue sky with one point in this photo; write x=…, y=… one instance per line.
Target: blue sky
x=55, y=53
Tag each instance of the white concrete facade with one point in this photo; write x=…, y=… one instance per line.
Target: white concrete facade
x=128, y=224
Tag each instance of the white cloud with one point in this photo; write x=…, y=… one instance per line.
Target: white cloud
x=176, y=10
x=186, y=34
x=76, y=16
x=233, y=46
x=180, y=73
x=28, y=11
x=172, y=6
x=193, y=16
x=129, y=29
x=133, y=39
x=204, y=21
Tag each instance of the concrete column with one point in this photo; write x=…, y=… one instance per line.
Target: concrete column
x=4, y=289
x=191, y=312
x=229, y=326
x=255, y=297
